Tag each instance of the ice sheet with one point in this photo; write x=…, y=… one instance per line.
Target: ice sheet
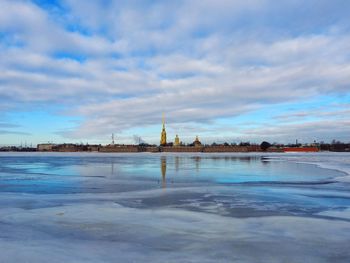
x=328, y=160
x=109, y=232
x=125, y=208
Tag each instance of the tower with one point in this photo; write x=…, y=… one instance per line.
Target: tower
x=163, y=134
x=177, y=141
x=197, y=142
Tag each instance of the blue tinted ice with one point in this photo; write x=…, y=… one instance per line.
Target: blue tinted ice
x=174, y=208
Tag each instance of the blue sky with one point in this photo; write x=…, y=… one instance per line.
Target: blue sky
x=77, y=71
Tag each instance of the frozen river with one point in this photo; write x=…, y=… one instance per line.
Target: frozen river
x=174, y=207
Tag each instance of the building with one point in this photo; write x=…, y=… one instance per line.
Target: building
x=45, y=147
x=177, y=141
x=163, y=134
x=197, y=142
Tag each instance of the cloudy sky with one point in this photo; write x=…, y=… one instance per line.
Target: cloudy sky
x=226, y=70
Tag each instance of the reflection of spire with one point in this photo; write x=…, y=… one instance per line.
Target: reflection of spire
x=163, y=169
x=114, y=168
x=197, y=160
x=177, y=163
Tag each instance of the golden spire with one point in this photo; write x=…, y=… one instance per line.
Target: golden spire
x=163, y=134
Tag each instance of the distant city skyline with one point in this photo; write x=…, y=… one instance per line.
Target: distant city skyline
x=227, y=71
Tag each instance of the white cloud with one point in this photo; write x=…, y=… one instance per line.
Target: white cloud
x=197, y=61
x=308, y=131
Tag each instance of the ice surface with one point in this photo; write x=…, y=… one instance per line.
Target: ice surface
x=109, y=232
x=173, y=208
x=329, y=160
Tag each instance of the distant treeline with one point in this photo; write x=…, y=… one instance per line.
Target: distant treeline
x=335, y=147
x=17, y=149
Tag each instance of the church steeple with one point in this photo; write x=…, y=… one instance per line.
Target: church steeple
x=163, y=134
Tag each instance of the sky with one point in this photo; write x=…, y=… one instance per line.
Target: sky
x=77, y=71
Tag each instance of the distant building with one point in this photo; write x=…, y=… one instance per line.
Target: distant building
x=197, y=142
x=163, y=134
x=45, y=147
x=301, y=149
x=177, y=141
x=70, y=147
x=94, y=148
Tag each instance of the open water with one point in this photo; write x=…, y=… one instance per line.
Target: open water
x=174, y=207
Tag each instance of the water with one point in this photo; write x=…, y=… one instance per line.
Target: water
x=174, y=208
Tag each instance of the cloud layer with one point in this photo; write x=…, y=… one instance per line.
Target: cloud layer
x=118, y=65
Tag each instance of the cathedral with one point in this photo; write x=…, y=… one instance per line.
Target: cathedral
x=177, y=142
x=163, y=134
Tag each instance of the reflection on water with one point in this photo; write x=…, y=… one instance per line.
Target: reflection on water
x=177, y=163
x=197, y=161
x=112, y=168
x=61, y=174
x=163, y=169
